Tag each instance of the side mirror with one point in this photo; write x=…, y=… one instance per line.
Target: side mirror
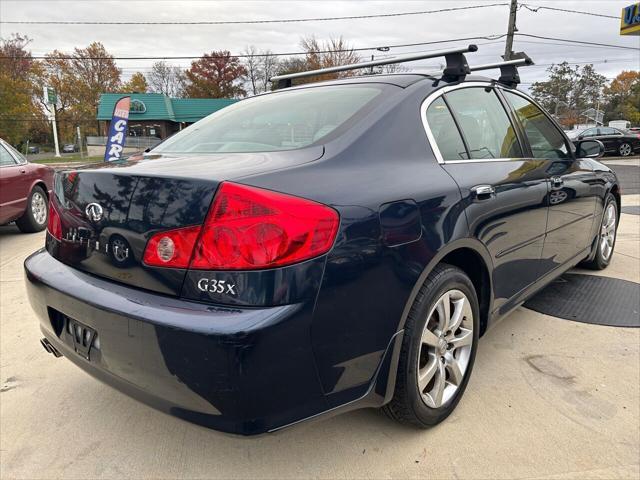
x=580, y=137
x=589, y=149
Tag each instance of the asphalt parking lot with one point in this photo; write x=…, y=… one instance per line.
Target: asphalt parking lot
x=549, y=398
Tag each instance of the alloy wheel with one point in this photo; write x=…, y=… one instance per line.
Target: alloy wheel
x=39, y=208
x=608, y=231
x=445, y=348
x=625, y=149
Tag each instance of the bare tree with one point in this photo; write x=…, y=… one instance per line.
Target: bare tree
x=166, y=79
x=331, y=53
x=260, y=66
x=252, y=65
x=270, y=64
x=394, y=68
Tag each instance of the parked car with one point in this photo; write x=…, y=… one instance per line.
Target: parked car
x=616, y=142
x=319, y=248
x=634, y=130
x=70, y=148
x=33, y=149
x=24, y=190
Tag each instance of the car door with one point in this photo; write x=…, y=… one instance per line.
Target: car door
x=12, y=196
x=504, y=194
x=573, y=189
x=605, y=135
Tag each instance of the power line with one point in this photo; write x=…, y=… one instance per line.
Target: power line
x=285, y=54
x=250, y=22
x=536, y=8
x=576, y=41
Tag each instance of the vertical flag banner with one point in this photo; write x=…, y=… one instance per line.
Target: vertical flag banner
x=117, y=130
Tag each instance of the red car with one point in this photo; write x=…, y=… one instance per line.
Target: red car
x=24, y=190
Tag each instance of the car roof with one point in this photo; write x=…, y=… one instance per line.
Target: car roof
x=402, y=80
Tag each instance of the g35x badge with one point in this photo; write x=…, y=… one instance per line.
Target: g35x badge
x=212, y=285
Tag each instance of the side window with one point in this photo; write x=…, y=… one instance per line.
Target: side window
x=485, y=124
x=445, y=132
x=545, y=139
x=608, y=131
x=592, y=132
x=5, y=157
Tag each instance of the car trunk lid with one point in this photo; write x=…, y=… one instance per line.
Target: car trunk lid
x=109, y=212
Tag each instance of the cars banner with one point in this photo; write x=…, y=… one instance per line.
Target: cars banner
x=117, y=130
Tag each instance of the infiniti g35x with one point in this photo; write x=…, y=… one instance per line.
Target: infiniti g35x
x=317, y=249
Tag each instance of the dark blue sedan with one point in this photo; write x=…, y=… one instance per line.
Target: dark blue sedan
x=318, y=249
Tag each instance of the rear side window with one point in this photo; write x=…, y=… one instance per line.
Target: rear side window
x=545, y=139
x=485, y=124
x=5, y=157
x=280, y=121
x=609, y=131
x=445, y=132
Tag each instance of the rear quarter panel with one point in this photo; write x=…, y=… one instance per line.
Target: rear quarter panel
x=369, y=276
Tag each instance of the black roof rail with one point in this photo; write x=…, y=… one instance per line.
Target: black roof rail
x=508, y=69
x=456, y=65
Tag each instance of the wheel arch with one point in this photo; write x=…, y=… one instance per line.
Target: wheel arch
x=466, y=254
x=472, y=257
x=41, y=184
x=615, y=191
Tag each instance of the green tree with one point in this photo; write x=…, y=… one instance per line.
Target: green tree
x=21, y=118
x=569, y=91
x=622, y=97
x=79, y=78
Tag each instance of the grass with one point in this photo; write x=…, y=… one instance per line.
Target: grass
x=76, y=158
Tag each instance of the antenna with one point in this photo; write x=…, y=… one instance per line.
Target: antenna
x=508, y=70
x=456, y=65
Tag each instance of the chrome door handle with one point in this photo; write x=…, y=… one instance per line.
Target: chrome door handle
x=483, y=192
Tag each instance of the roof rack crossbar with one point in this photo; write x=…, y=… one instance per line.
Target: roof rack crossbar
x=456, y=65
x=508, y=69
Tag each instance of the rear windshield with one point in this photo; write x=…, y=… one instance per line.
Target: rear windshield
x=280, y=121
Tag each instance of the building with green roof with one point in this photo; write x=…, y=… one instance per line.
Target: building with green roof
x=157, y=115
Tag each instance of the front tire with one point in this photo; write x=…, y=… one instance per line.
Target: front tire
x=625, y=150
x=606, y=239
x=438, y=349
x=34, y=218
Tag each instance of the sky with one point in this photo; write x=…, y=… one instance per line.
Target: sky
x=193, y=40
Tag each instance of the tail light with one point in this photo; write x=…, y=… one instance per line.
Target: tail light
x=171, y=248
x=248, y=228
x=54, y=226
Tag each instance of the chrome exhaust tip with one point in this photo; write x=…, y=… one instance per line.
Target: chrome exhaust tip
x=48, y=346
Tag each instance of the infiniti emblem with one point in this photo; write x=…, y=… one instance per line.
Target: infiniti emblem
x=93, y=212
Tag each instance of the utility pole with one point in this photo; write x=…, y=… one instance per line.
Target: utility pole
x=508, y=49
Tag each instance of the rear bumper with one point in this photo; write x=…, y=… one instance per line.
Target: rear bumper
x=238, y=370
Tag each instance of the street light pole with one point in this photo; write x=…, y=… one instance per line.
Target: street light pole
x=508, y=49
x=55, y=131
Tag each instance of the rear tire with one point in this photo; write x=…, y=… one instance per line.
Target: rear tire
x=625, y=150
x=437, y=356
x=34, y=218
x=606, y=238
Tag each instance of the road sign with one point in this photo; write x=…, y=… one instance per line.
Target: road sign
x=50, y=96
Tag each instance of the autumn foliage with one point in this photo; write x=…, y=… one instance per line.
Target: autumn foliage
x=215, y=75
